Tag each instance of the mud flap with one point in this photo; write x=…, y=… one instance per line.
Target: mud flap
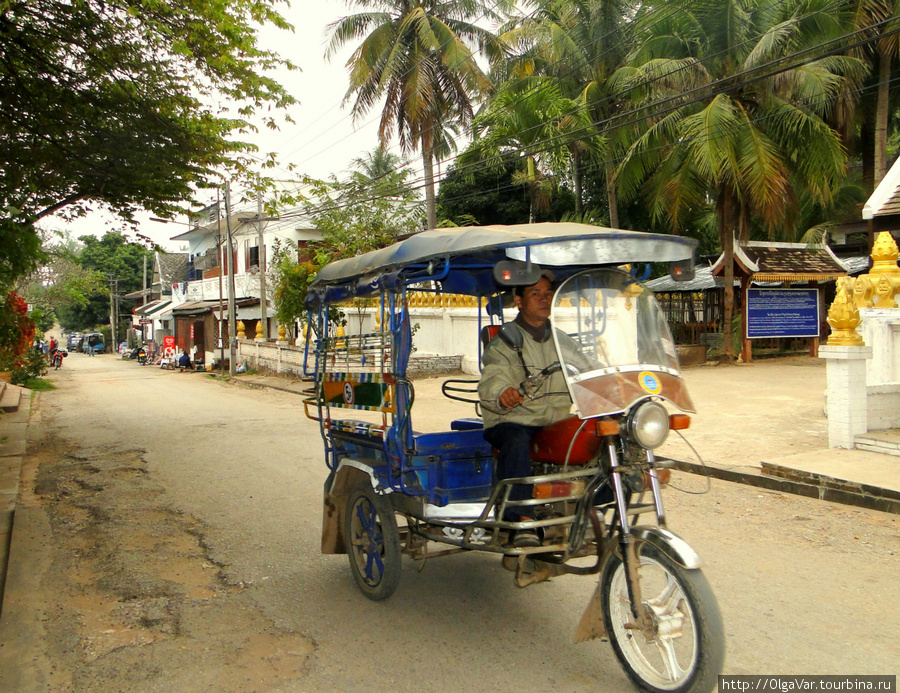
x=591, y=625
x=337, y=489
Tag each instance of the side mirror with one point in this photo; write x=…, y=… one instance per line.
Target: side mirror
x=516, y=273
x=511, y=336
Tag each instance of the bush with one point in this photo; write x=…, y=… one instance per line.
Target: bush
x=31, y=364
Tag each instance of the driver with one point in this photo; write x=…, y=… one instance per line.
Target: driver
x=511, y=420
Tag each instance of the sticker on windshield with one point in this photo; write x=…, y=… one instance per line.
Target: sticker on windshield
x=668, y=347
x=650, y=383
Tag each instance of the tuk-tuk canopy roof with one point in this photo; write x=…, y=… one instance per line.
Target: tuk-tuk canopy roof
x=461, y=259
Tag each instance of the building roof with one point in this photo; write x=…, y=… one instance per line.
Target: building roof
x=885, y=200
x=195, y=307
x=152, y=306
x=172, y=267
x=783, y=262
x=703, y=280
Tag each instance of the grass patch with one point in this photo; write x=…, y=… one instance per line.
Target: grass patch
x=39, y=384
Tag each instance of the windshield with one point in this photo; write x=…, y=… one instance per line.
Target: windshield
x=614, y=344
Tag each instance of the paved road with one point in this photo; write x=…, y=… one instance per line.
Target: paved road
x=173, y=544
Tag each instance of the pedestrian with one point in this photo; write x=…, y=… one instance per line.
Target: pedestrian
x=92, y=342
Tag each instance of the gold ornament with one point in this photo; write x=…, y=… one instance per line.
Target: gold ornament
x=843, y=316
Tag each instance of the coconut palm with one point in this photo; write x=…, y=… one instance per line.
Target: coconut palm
x=534, y=120
x=875, y=22
x=582, y=44
x=417, y=56
x=744, y=124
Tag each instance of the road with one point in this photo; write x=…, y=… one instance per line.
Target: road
x=175, y=527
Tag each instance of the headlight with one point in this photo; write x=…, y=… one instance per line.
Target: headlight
x=648, y=425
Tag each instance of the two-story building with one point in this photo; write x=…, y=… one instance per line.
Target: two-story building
x=199, y=309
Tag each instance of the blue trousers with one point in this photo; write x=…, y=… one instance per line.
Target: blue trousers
x=513, y=443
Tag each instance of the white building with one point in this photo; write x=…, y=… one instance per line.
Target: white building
x=199, y=309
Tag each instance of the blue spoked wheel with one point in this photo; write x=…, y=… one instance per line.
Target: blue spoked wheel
x=373, y=543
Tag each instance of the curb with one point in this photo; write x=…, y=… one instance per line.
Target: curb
x=800, y=483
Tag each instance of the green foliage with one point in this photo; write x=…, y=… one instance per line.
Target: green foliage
x=38, y=384
x=20, y=250
x=291, y=283
x=60, y=282
x=117, y=103
x=32, y=365
x=416, y=59
x=356, y=217
x=483, y=195
x=534, y=120
x=113, y=255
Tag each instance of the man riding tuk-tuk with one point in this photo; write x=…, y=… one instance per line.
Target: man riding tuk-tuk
x=587, y=365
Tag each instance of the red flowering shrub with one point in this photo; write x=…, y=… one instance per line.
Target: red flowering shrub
x=16, y=331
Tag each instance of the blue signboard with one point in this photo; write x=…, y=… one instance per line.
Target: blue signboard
x=782, y=313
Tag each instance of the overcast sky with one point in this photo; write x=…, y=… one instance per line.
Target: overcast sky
x=324, y=141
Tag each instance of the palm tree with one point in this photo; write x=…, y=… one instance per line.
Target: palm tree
x=873, y=20
x=416, y=55
x=535, y=121
x=582, y=44
x=744, y=127
x=382, y=173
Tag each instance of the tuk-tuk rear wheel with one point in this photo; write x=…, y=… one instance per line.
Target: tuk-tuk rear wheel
x=373, y=543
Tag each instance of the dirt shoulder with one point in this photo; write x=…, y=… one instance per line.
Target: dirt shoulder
x=130, y=583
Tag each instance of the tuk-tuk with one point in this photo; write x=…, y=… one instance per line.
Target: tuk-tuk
x=92, y=340
x=596, y=504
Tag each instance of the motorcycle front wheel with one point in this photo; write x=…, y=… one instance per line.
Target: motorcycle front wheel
x=373, y=543
x=685, y=648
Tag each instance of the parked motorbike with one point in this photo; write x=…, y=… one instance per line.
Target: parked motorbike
x=56, y=358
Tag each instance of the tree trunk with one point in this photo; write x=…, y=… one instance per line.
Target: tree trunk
x=726, y=238
x=611, y=194
x=576, y=179
x=881, y=116
x=532, y=188
x=428, y=169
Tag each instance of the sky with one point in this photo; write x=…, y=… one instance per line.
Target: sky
x=324, y=140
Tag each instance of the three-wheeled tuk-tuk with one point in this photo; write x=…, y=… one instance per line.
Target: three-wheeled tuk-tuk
x=596, y=504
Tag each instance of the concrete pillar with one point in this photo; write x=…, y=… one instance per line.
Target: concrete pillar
x=845, y=393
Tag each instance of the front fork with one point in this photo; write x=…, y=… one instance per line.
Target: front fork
x=627, y=544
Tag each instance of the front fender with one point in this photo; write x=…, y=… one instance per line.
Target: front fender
x=591, y=625
x=668, y=543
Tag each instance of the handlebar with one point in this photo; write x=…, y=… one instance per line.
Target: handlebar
x=533, y=383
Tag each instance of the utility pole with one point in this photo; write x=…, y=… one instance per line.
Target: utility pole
x=221, y=308
x=232, y=322
x=260, y=225
x=113, y=313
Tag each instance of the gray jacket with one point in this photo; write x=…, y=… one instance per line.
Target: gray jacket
x=502, y=370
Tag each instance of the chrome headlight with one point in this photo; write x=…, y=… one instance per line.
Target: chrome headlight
x=648, y=425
